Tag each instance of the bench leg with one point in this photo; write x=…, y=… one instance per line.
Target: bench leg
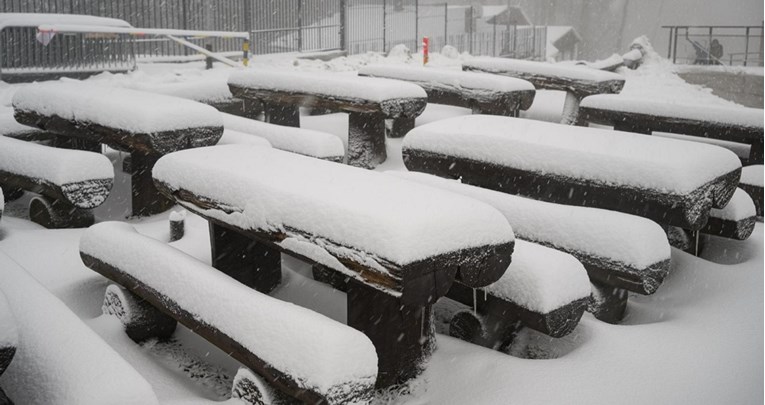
x=608, y=304
x=4, y=400
x=756, y=153
x=249, y=262
x=146, y=199
x=287, y=116
x=570, y=114
x=139, y=318
x=337, y=280
x=56, y=214
x=252, y=389
x=401, y=126
x=366, y=140
x=12, y=193
x=403, y=336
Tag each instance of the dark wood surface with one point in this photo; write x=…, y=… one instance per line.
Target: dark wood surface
x=689, y=211
x=85, y=194
x=726, y=228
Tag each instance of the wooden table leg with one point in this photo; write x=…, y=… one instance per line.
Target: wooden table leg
x=401, y=126
x=249, y=262
x=288, y=116
x=146, y=199
x=366, y=140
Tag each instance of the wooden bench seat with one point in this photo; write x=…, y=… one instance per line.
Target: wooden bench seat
x=306, y=355
x=590, y=167
x=630, y=114
x=368, y=101
x=616, y=261
x=70, y=182
x=347, y=220
x=751, y=182
x=306, y=142
x=482, y=93
x=735, y=221
x=59, y=359
x=146, y=125
x=578, y=82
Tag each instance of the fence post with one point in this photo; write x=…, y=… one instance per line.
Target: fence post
x=446, y=24
x=416, y=25
x=674, y=51
x=709, y=47
x=746, y=48
x=669, y=46
x=343, y=5
x=248, y=15
x=470, y=34
x=300, y=24
x=385, y=26
x=208, y=60
x=494, y=39
x=185, y=21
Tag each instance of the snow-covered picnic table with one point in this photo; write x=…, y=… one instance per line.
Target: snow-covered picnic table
x=572, y=165
x=402, y=246
x=577, y=81
x=641, y=115
x=483, y=93
x=368, y=102
x=146, y=125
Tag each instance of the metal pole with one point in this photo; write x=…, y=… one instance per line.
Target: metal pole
x=416, y=25
x=709, y=47
x=300, y=24
x=746, y=48
x=674, y=52
x=470, y=34
x=494, y=39
x=385, y=26
x=669, y=46
x=343, y=5
x=446, y=24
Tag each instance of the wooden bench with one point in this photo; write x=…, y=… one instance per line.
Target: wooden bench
x=59, y=359
x=735, y=221
x=735, y=124
x=9, y=340
x=616, y=261
x=213, y=92
x=482, y=93
x=590, y=167
x=144, y=124
x=751, y=183
x=349, y=221
x=306, y=142
x=368, y=102
x=578, y=82
x=231, y=137
x=70, y=182
x=304, y=354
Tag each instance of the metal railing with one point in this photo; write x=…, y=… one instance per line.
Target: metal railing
x=716, y=44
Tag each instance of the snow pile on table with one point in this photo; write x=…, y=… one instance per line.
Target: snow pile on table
x=752, y=175
x=578, y=152
x=525, y=67
x=390, y=218
x=313, y=349
x=297, y=140
x=594, y=231
x=125, y=109
x=541, y=279
x=741, y=116
x=739, y=207
x=206, y=91
x=231, y=137
x=9, y=126
x=59, y=359
x=329, y=84
x=447, y=78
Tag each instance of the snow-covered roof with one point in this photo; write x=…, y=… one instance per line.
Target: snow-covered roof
x=37, y=19
x=499, y=14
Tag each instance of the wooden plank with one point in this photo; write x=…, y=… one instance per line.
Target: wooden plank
x=82, y=194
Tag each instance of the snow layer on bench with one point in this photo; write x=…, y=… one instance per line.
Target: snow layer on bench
x=593, y=231
x=571, y=72
x=210, y=90
x=58, y=166
x=541, y=279
x=9, y=126
x=8, y=329
x=739, y=207
x=622, y=159
x=383, y=216
x=752, y=175
x=297, y=140
x=59, y=359
x=231, y=137
x=327, y=84
x=743, y=116
x=448, y=78
x=129, y=110
x=315, y=350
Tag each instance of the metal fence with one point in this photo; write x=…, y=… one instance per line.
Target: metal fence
x=716, y=45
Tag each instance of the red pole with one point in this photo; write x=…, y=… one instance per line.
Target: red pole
x=425, y=50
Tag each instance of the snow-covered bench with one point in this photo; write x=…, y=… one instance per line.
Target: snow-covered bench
x=751, y=182
x=297, y=140
x=213, y=92
x=146, y=125
x=59, y=359
x=304, y=354
x=590, y=167
x=735, y=221
x=735, y=124
x=368, y=102
x=637, y=260
x=401, y=246
x=483, y=93
x=9, y=339
x=577, y=81
x=70, y=182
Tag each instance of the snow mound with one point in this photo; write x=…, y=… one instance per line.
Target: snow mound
x=739, y=207
x=752, y=175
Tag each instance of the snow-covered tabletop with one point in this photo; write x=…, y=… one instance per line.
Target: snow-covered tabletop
x=667, y=180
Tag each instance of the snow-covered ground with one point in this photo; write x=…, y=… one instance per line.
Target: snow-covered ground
x=699, y=339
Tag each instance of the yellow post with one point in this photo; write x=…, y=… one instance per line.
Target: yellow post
x=246, y=52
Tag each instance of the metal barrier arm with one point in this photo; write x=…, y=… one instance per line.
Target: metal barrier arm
x=203, y=51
